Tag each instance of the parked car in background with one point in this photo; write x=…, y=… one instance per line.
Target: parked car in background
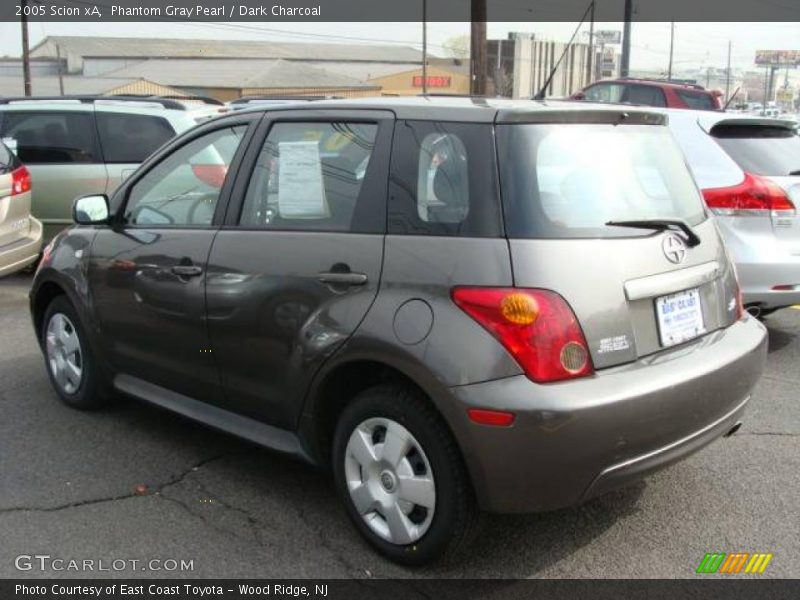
x=20, y=234
x=83, y=145
x=200, y=108
x=651, y=92
x=271, y=101
x=748, y=168
x=454, y=304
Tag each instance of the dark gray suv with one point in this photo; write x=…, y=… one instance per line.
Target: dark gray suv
x=456, y=304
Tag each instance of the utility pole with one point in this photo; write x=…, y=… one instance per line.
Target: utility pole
x=478, y=48
x=26, y=58
x=671, y=47
x=625, y=62
x=728, y=73
x=589, y=62
x=424, y=46
x=60, y=73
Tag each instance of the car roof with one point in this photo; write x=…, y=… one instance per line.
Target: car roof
x=480, y=109
x=659, y=83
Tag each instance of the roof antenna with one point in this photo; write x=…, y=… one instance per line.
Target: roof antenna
x=540, y=94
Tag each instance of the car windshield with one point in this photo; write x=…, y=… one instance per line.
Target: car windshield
x=759, y=149
x=568, y=181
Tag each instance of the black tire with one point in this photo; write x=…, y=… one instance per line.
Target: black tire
x=455, y=514
x=89, y=394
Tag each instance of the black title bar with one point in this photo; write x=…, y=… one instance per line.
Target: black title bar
x=393, y=10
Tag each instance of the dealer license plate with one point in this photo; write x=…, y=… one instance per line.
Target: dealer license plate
x=680, y=317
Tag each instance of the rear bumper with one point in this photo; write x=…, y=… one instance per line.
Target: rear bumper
x=758, y=278
x=573, y=440
x=20, y=254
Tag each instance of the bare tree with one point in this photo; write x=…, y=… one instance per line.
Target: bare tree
x=457, y=46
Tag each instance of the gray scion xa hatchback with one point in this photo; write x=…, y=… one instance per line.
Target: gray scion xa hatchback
x=458, y=305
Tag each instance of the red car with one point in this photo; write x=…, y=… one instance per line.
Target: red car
x=651, y=92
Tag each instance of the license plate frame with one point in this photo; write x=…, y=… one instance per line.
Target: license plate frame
x=680, y=317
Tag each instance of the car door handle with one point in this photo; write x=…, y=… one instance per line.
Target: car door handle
x=332, y=278
x=187, y=270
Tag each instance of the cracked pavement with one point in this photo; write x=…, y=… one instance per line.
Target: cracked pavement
x=68, y=488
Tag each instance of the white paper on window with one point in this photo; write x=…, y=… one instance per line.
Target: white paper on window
x=301, y=192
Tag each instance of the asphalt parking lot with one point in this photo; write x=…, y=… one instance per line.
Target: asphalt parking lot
x=133, y=482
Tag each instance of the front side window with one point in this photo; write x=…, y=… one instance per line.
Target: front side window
x=309, y=176
x=184, y=188
x=443, y=180
x=129, y=138
x=51, y=137
x=568, y=181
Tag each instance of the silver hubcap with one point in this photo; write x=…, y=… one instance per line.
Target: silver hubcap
x=64, y=353
x=390, y=480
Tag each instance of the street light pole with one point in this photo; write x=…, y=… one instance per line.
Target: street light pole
x=424, y=46
x=589, y=77
x=625, y=62
x=671, y=46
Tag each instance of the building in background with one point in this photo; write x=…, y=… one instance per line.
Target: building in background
x=444, y=76
x=520, y=66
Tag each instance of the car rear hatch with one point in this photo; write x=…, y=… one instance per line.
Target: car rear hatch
x=768, y=151
x=636, y=291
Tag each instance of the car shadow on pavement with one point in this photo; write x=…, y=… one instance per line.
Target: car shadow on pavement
x=779, y=338
x=261, y=484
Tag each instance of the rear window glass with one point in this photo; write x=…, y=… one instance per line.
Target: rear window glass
x=568, y=181
x=696, y=100
x=761, y=150
x=131, y=138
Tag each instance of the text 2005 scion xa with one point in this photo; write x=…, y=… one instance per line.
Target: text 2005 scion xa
x=457, y=305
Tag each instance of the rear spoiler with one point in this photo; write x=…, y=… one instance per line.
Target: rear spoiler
x=613, y=116
x=708, y=125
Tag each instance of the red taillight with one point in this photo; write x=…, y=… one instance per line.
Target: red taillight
x=213, y=175
x=537, y=327
x=20, y=181
x=496, y=418
x=756, y=196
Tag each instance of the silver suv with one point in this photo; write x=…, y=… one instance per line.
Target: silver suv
x=76, y=145
x=454, y=304
x=749, y=170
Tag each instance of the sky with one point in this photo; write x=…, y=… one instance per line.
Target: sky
x=696, y=44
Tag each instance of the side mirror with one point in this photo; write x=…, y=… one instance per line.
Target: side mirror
x=90, y=210
x=578, y=96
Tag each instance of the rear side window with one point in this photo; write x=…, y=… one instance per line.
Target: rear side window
x=52, y=137
x=8, y=162
x=310, y=176
x=696, y=100
x=127, y=138
x=647, y=95
x=568, y=181
x=759, y=149
x=443, y=180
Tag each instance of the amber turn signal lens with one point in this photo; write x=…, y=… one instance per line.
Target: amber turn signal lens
x=520, y=309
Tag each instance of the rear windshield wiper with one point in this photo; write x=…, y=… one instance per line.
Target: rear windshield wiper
x=692, y=239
